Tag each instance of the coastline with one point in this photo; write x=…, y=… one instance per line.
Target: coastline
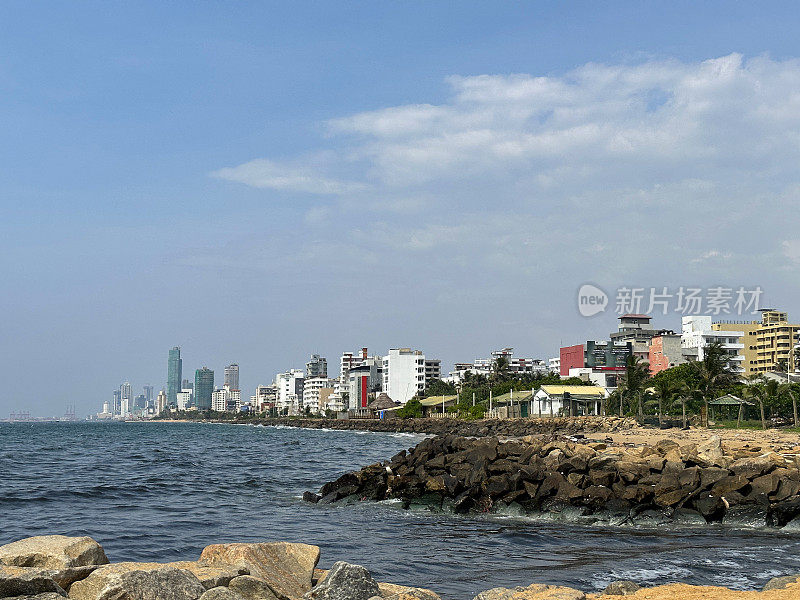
x=55, y=566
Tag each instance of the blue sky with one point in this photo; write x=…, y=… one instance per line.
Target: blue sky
x=257, y=182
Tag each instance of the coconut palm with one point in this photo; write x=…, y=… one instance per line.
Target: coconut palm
x=790, y=390
x=758, y=392
x=500, y=368
x=637, y=372
x=665, y=391
x=714, y=374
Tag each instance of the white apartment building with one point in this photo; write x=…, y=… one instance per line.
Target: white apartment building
x=184, y=397
x=516, y=365
x=311, y=389
x=554, y=364
x=403, y=374
x=696, y=333
x=289, y=395
x=219, y=400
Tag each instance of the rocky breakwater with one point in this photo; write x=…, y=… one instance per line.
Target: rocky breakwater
x=55, y=567
x=587, y=482
x=479, y=428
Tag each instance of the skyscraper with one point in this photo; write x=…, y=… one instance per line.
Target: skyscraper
x=148, y=395
x=174, y=375
x=317, y=366
x=116, y=406
x=203, y=388
x=232, y=376
x=126, y=393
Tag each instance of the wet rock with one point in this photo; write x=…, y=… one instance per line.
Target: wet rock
x=345, y=582
x=780, y=583
x=287, y=568
x=252, y=588
x=53, y=552
x=622, y=588
x=138, y=581
x=536, y=591
x=20, y=581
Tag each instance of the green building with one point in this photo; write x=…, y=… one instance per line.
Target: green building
x=174, y=376
x=203, y=388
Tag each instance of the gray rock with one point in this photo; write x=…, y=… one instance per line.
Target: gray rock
x=345, y=582
x=138, y=581
x=46, y=596
x=252, y=588
x=220, y=593
x=780, y=583
x=622, y=588
x=288, y=567
x=536, y=591
x=20, y=581
x=53, y=552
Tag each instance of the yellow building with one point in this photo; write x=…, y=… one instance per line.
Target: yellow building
x=768, y=344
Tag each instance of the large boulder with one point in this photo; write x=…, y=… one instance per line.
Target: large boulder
x=288, y=568
x=622, y=588
x=138, y=581
x=53, y=552
x=63, y=577
x=711, y=452
x=45, y=596
x=391, y=591
x=211, y=575
x=22, y=581
x=220, y=593
x=345, y=582
x=252, y=588
x=537, y=591
x=780, y=583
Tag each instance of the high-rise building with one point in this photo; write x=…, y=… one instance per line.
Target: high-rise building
x=126, y=399
x=317, y=366
x=161, y=402
x=696, y=333
x=174, y=375
x=403, y=374
x=289, y=397
x=768, y=344
x=187, y=384
x=116, y=405
x=232, y=376
x=148, y=395
x=203, y=388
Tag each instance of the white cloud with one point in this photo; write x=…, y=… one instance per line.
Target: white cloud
x=263, y=173
x=791, y=250
x=609, y=173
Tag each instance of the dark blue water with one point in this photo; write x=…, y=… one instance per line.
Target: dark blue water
x=163, y=491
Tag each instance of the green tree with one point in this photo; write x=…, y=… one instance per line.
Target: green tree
x=437, y=387
x=666, y=390
x=500, y=368
x=790, y=390
x=637, y=372
x=714, y=374
x=411, y=410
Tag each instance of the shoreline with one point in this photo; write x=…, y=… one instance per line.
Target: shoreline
x=55, y=566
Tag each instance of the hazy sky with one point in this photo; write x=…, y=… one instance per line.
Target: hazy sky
x=257, y=182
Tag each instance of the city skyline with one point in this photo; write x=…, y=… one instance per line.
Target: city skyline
x=330, y=176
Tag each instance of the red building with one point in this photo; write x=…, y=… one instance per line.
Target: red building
x=572, y=357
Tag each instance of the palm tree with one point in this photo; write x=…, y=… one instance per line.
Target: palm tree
x=714, y=374
x=758, y=392
x=788, y=389
x=665, y=392
x=637, y=372
x=500, y=368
